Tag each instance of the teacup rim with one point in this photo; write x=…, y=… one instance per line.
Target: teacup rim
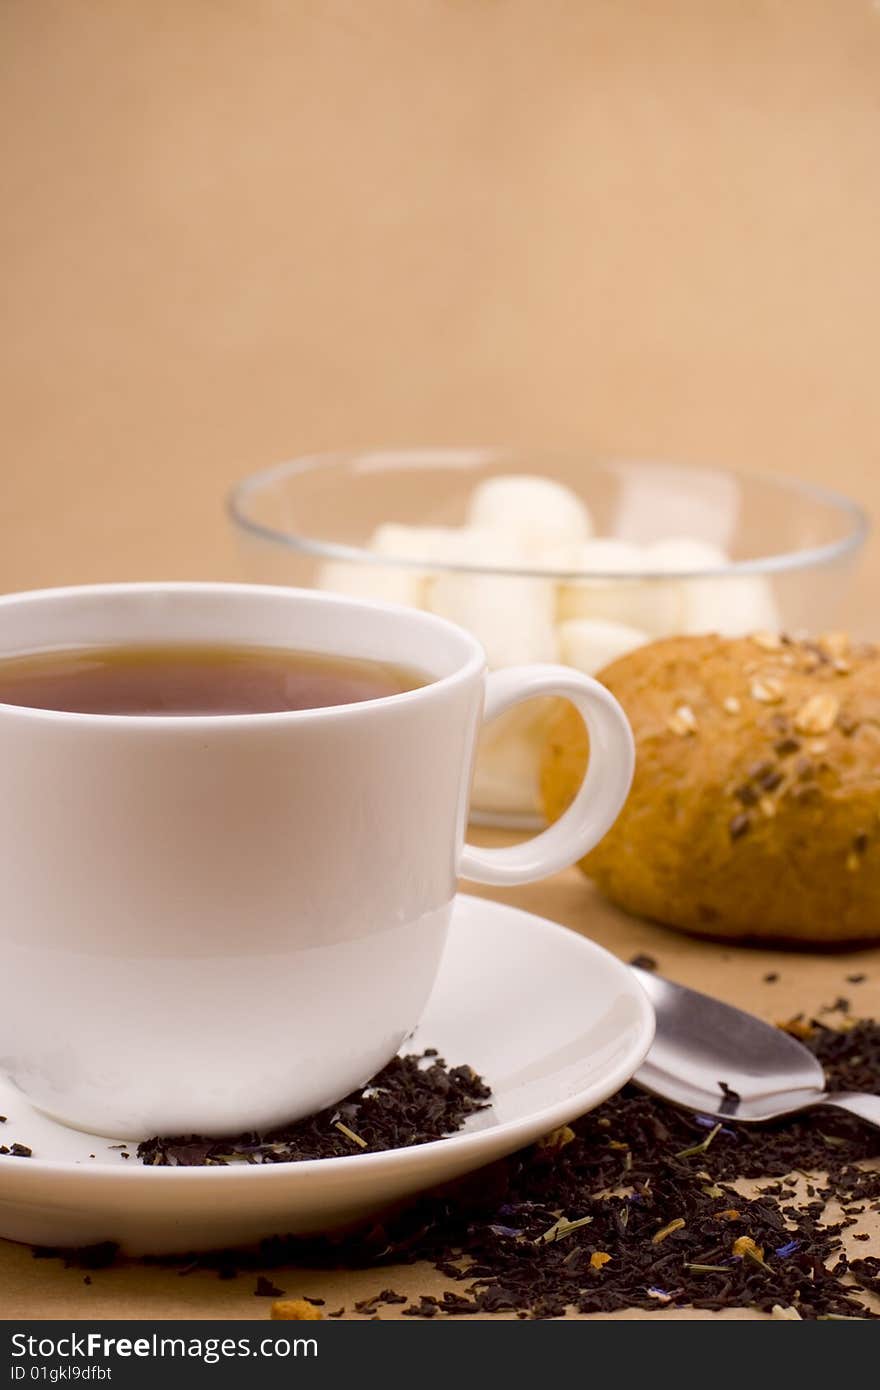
x=472, y=666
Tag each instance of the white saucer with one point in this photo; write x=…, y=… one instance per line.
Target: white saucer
x=553, y=1023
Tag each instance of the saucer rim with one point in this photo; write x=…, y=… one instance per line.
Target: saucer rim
x=536, y=1121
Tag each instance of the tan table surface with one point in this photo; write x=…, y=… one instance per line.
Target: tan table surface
x=233, y=233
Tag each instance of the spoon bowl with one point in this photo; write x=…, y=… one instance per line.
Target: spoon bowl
x=715, y=1059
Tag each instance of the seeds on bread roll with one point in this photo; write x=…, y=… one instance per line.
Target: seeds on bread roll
x=755, y=809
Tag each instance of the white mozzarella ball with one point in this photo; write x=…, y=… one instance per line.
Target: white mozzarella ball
x=608, y=555
x=449, y=545
x=374, y=581
x=591, y=643
x=651, y=605
x=513, y=618
x=539, y=511
x=562, y=556
x=486, y=549
x=654, y=605
x=508, y=759
x=733, y=607
x=604, y=555
x=442, y=544
x=680, y=554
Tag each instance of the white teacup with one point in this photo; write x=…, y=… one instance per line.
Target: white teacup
x=217, y=923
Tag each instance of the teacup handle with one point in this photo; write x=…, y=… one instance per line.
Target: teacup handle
x=601, y=794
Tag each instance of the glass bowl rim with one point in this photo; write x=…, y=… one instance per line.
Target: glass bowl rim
x=786, y=561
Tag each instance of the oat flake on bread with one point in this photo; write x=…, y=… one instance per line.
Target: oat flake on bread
x=756, y=816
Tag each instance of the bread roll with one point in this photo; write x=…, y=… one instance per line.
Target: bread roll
x=755, y=809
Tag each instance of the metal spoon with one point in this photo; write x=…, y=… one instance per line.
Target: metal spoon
x=701, y=1043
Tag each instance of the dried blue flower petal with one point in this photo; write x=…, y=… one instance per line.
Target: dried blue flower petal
x=707, y=1122
x=785, y=1250
x=505, y=1231
x=660, y=1294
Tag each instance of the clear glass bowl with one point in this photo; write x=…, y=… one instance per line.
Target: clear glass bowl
x=762, y=553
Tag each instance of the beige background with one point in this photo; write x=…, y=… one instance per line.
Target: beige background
x=234, y=230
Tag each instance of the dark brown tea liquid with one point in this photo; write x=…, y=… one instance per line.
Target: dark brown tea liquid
x=190, y=678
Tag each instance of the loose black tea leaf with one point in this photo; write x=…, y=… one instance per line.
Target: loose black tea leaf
x=643, y=962
x=637, y=1203
x=84, y=1257
x=840, y=1006
x=266, y=1289
x=407, y=1103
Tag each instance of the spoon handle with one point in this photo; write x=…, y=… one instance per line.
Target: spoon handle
x=867, y=1107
